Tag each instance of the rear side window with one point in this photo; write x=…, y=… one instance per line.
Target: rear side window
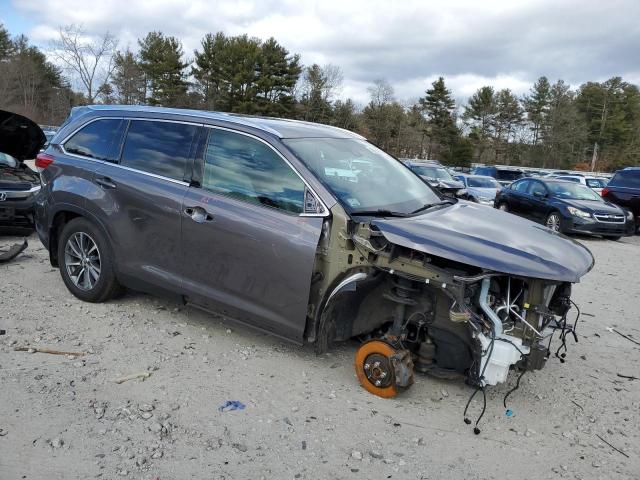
x=520, y=186
x=161, y=148
x=626, y=178
x=99, y=139
x=247, y=169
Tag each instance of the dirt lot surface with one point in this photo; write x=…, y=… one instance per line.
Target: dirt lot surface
x=306, y=416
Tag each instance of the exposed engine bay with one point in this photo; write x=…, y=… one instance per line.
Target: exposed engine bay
x=418, y=312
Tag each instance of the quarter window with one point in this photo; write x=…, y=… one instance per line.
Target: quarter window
x=100, y=139
x=161, y=148
x=247, y=169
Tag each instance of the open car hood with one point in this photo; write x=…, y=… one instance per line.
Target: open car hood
x=492, y=240
x=20, y=137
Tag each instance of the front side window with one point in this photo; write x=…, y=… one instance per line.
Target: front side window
x=161, y=148
x=247, y=169
x=100, y=139
x=385, y=185
x=537, y=188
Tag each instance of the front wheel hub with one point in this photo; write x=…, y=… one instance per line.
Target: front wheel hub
x=383, y=370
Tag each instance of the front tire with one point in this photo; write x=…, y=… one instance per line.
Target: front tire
x=503, y=206
x=86, y=262
x=554, y=222
x=615, y=239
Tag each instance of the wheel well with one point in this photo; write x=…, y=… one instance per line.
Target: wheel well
x=59, y=221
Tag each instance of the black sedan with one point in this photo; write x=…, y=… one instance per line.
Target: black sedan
x=565, y=207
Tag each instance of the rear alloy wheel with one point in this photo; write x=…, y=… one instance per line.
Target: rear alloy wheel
x=86, y=262
x=553, y=222
x=503, y=206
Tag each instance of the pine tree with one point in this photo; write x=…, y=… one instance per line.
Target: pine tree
x=537, y=107
x=478, y=116
x=439, y=107
x=128, y=79
x=161, y=61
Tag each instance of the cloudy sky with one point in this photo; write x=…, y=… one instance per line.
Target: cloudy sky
x=409, y=43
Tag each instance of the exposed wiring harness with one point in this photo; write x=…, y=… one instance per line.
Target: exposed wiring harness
x=479, y=387
x=564, y=330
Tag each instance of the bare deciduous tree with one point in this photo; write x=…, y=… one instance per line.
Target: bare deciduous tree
x=91, y=60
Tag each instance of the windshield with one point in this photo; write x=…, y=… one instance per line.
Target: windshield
x=438, y=173
x=8, y=160
x=508, y=175
x=572, y=191
x=482, y=182
x=383, y=183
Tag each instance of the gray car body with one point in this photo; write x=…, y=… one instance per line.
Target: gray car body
x=253, y=263
x=480, y=195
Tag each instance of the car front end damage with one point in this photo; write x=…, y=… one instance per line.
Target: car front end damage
x=432, y=312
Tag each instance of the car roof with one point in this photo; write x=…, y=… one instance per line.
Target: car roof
x=280, y=127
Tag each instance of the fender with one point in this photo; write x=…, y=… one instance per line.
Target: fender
x=79, y=211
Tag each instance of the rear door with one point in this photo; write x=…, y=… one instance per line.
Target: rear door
x=536, y=202
x=139, y=199
x=517, y=197
x=248, y=246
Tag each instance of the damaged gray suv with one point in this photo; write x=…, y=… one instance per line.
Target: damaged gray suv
x=305, y=231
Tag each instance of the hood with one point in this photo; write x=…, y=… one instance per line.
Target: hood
x=490, y=239
x=594, y=206
x=20, y=137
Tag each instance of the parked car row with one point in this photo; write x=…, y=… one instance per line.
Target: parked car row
x=565, y=207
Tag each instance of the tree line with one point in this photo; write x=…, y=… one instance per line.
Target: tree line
x=595, y=126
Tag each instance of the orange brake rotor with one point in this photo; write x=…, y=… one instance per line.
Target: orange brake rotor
x=374, y=369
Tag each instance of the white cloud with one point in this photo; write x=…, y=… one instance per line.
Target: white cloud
x=507, y=44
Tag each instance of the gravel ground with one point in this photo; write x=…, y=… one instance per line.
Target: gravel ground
x=306, y=416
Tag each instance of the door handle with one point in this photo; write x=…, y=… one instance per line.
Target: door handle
x=105, y=182
x=198, y=214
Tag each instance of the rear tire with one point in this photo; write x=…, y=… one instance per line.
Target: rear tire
x=615, y=239
x=87, y=263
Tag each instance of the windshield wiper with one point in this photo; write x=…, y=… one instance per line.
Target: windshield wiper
x=381, y=212
x=431, y=205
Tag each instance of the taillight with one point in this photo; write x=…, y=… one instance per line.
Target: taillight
x=604, y=192
x=43, y=160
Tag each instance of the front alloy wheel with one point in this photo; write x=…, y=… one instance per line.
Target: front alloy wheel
x=82, y=260
x=553, y=222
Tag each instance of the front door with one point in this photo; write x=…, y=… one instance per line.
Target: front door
x=248, y=248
